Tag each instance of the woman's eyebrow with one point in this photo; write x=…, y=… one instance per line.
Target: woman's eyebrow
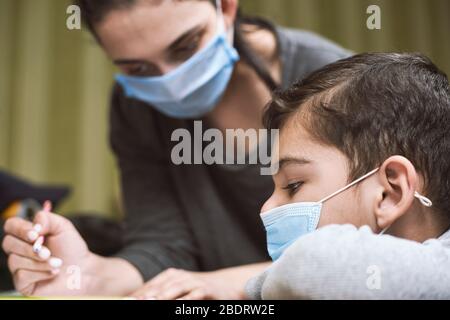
x=186, y=35
x=189, y=33
x=128, y=61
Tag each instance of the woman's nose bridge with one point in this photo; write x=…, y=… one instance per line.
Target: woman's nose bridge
x=165, y=68
x=159, y=67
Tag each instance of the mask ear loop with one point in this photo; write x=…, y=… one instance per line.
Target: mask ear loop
x=220, y=17
x=221, y=22
x=423, y=200
x=219, y=5
x=349, y=186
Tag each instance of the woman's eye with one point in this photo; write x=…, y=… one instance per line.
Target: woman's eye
x=292, y=188
x=181, y=54
x=139, y=70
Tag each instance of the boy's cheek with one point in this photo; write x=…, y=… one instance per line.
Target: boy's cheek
x=343, y=211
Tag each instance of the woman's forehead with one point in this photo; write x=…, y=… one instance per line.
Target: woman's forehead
x=149, y=27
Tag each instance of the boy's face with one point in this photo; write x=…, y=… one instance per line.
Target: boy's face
x=310, y=171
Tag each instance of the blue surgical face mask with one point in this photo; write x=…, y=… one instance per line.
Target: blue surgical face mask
x=194, y=88
x=285, y=224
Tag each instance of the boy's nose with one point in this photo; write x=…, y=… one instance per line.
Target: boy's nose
x=269, y=204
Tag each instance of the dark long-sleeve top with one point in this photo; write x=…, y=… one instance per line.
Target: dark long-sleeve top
x=196, y=217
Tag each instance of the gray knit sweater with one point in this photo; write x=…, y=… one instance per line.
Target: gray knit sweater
x=343, y=262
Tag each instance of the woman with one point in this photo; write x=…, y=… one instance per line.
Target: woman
x=191, y=228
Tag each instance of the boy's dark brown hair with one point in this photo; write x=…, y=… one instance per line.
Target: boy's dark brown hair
x=375, y=105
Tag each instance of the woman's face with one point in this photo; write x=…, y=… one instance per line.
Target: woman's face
x=154, y=37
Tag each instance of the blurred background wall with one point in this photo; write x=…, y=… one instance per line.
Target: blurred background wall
x=55, y=83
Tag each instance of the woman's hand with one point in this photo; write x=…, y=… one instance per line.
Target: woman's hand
x=226, y=284
x=64, y=266
x=44, y=273
x=185, y=285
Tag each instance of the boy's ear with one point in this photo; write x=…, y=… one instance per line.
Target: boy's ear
x=398, y=179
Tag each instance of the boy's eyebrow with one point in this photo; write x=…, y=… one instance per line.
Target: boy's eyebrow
x=292, y=160
x=174, y=44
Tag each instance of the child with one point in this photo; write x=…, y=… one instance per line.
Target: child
x=378, y=124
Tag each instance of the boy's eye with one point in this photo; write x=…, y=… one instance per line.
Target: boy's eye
x=292, y=188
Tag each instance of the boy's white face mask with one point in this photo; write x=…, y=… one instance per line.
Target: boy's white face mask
x=285, y=224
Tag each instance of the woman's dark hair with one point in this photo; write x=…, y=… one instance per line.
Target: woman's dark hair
x=93, y=11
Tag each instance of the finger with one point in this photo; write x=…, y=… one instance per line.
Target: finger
x=13, y=245
x=151, y=288
x=164, y=276
x=147, y=293
x=28, y=291
x=177, y=290
x=24, y=278
x=157, y=281
x=198, y=294
x=51, y=223
x=21, y=229
x=144, y=294
x=16, y=263
x=172, y=288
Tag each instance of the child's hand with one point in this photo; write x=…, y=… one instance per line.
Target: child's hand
x=43, y=271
